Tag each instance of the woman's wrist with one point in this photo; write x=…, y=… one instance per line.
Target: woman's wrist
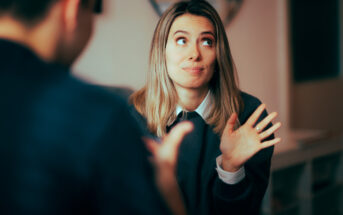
x=228, y=166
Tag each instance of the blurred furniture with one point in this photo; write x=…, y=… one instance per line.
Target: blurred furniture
x=307, y=178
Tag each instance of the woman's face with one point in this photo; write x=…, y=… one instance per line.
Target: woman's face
x=190, y=52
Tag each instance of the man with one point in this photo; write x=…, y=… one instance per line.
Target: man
x=67, y=147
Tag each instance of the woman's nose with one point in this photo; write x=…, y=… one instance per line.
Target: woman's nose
x=194, y=53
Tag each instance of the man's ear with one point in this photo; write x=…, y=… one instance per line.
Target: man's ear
x=70, y=13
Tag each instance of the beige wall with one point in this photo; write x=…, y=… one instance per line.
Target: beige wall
x=118, y=52
x=253, y=38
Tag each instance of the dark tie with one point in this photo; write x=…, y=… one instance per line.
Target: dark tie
x=196, y=164
x=190, y=159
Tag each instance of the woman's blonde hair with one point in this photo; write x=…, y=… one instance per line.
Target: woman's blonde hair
x=157, y=100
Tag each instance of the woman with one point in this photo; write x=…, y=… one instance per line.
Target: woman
x=223, y=166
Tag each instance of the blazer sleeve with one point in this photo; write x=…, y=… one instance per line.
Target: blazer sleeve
x=246, y=196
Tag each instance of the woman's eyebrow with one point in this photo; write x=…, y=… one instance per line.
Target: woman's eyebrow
x=207, y=32
x=180, y=31
x=186, y=32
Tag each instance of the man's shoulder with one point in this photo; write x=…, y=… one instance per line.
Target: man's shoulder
x=91, y=102
x=49, y=94
x=93, y=94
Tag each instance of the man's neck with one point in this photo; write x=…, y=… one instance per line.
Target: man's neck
x=36, y=38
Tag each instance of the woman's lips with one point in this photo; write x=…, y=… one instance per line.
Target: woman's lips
x=194, y=70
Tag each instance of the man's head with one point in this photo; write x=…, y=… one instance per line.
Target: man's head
x=25, y=11
x=60, y=29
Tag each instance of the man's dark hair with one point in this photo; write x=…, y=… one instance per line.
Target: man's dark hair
x=31, y=11
x=24, y=10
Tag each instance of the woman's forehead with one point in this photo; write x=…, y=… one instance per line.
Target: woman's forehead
x=190, y=22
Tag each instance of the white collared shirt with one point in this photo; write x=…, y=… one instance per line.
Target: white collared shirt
x=204, y=110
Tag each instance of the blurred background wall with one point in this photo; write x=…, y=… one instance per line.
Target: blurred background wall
x=261, y=44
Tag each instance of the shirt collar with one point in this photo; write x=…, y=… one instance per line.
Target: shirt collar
x=203, y=109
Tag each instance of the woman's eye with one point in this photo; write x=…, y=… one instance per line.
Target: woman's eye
x=208, y=42
x=181, y=41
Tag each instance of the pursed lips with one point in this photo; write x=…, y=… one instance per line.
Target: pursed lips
x=193, y=69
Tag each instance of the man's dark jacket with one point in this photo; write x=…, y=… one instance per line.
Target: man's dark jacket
x=67, y=147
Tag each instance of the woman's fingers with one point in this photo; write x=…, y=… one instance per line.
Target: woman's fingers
x=269, y=143
x=257, y=113
x=261, y=125
x=231, y=123
x=269, y=131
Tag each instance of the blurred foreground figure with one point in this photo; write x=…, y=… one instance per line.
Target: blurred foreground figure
x=66, y=147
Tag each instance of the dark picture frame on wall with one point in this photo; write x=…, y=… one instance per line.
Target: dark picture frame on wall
x=315, y=43
x=227, y=9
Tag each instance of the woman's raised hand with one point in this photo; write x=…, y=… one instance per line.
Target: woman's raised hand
x=238, y=146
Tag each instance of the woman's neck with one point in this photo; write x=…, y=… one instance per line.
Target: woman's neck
x=190, y=99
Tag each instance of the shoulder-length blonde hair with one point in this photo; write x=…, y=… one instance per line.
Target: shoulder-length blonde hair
x=157, y=100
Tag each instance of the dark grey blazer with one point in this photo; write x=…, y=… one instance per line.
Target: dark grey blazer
x=203, y=191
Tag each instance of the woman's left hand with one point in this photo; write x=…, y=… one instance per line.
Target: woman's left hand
x=238, y=146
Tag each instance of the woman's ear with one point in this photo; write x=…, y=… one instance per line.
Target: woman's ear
x=70, y=12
